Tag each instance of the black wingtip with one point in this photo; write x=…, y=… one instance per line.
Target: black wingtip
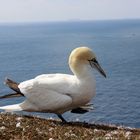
x=13, y=85
x=12, y=95
x=8, y=81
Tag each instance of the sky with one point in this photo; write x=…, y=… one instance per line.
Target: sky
x=65, y=10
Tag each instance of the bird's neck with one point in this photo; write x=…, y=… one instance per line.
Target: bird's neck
x=83, y=72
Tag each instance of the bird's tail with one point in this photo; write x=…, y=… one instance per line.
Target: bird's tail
x=11, y=108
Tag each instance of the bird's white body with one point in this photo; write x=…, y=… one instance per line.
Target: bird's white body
x=58, y=93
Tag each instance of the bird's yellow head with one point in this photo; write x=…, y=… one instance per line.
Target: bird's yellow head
x=84, y=56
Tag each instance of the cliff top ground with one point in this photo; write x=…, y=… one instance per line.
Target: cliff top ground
x=18, y=127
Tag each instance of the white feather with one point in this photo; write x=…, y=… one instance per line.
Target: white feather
x=10, y=108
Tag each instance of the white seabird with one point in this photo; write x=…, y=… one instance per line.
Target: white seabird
x=58, y=93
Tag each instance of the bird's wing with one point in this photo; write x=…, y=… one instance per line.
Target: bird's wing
x=47, y=101
x=60, y=83
x=47, y=92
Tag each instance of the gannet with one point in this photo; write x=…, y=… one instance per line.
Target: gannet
x=58, y=93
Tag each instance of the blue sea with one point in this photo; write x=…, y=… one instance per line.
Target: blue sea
x=30, y=49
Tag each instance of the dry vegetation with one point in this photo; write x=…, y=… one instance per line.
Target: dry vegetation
x=32, y=128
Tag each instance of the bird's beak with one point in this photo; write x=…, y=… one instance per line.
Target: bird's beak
x=94, y=64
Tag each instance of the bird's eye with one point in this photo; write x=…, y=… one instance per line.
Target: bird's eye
x=93, y=60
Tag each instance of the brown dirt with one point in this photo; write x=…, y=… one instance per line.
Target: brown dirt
x=16, y=127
